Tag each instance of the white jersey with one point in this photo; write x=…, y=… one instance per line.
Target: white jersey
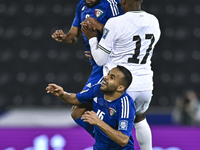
x=130, y=39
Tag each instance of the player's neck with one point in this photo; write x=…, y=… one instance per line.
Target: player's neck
x=113, y=96
x=132, y=8
x=135, y=8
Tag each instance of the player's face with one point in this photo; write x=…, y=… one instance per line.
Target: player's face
x=91, y=3
x=112, y=81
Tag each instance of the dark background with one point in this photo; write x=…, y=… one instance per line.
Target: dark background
x=30, y=58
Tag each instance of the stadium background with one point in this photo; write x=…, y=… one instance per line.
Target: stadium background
x=30, y=59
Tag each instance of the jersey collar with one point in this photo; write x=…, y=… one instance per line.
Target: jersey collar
x=141, y=11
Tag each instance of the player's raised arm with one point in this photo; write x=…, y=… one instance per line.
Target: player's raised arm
x=117, y=136
x=70, y=38
x=69, y=98
x=99, y=55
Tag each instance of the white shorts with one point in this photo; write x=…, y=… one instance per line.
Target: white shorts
x=142, y=100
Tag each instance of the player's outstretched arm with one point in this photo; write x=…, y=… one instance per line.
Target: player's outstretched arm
x=69, y=98
x=70, y=38
x=117, y=136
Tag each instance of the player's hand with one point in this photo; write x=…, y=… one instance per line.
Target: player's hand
x=90, y=117
x=89, y=31
x=55, y=89
x=89, y=55
x=94, y=24
x=59, y=35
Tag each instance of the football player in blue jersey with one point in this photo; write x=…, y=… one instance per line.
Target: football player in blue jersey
x=113, y=109
x=97, y=12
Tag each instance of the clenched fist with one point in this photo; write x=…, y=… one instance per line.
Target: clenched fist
x=59, y=35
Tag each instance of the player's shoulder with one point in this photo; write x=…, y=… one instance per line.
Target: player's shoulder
x=151, y=16
x=113, y=6
x=110, y=2
x=94, y=89
x=126, y=105
x=125, y=98
x=96, y=86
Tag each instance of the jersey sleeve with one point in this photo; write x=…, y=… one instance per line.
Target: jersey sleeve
x=77, y=19
x=109, y=35
x=87, y=95
x=126, y=115
x=98, y=54
x=101, y=51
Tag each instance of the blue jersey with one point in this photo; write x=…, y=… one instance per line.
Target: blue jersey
x=102, y=12
x=119, y=114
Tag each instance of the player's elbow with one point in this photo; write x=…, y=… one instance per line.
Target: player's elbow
x=100, y=61
x=124, y=142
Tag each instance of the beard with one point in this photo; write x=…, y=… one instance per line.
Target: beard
x=91, y=5
x=108, y=89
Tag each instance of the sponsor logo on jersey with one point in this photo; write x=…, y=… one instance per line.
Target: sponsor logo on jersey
x=98, y=12
x=112, y=111
x=95, y=99
x=123, y=125
x=105, y=32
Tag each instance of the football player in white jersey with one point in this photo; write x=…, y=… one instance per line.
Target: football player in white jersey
x=128, y=40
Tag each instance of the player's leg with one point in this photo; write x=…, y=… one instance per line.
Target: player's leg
x=143, y=131
x=78, y=111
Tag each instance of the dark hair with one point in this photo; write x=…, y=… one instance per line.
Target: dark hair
x=127, y=75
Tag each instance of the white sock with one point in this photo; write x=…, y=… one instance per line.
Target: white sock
x=143, y=135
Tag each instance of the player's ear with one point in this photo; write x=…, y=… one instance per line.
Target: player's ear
x=121, y=88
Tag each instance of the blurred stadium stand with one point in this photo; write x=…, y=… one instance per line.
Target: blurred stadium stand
x=30, y=58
